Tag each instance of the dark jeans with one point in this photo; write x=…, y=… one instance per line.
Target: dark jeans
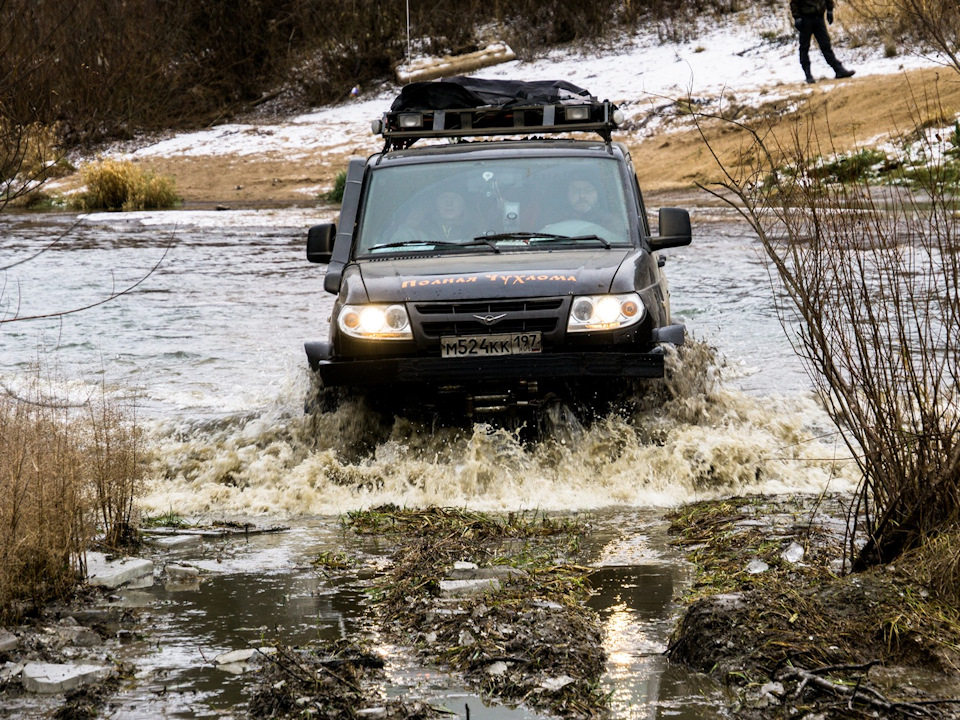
x=814, y=25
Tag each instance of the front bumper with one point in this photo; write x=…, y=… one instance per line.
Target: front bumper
x=457, y=371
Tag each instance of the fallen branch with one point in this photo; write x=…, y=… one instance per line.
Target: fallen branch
x=860, y=693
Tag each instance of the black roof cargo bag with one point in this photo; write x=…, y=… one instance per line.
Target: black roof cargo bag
x=468, y=92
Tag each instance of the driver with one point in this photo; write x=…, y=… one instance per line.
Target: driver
x=582, y=198
x=445, y=219
x=451, y=217
x=584, y=214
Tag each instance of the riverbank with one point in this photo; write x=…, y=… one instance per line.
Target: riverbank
x=505, y=605
x=678, y=98
x=841, y=115
x=774, y=616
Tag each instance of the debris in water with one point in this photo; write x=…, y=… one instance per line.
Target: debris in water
x=526, y=634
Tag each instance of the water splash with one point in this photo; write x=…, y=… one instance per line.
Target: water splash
x=685, y=438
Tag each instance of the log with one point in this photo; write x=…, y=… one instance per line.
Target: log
x=449, y=65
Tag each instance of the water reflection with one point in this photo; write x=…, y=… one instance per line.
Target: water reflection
x=637, y=606
x=255, y=592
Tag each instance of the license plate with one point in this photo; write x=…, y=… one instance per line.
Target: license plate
x=487, y=345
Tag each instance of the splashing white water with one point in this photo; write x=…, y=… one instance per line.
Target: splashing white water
x=695, y=440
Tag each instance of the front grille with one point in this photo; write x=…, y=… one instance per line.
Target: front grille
x=436, y=320
x=490, y=307
x=474, y=327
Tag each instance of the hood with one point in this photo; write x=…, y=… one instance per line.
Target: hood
x=474, y=277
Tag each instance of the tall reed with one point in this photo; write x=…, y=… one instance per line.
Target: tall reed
x=66, y=473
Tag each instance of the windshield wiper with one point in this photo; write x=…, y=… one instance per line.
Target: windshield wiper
x=436, y=243
x=543, y=237
x=575, y=238
x=404, y=243
x=484, y=240
x=518, y=236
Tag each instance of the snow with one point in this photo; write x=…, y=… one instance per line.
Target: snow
x=753, y=59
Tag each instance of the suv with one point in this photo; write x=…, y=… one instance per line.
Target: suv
x=500, y=269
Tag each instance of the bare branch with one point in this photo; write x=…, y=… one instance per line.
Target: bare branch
x=44, y=249
x=112, y=296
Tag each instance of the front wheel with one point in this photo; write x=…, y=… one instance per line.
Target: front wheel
x=321, y=399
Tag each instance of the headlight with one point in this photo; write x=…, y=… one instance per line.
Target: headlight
x=604, y=312
x=375, y=322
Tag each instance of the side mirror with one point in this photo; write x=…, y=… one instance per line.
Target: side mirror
x=320, y=242
x=674, y=229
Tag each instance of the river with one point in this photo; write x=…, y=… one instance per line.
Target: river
x=210, y=344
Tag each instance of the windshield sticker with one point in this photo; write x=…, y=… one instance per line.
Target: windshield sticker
x=516, y=279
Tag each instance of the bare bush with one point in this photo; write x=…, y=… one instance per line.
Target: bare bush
x=929, y=24
x=114, y=467
x=27, y=144
x=866, y=283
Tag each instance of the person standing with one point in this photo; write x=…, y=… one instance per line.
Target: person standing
x=808, y=18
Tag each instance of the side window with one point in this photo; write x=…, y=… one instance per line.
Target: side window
x=641, y=209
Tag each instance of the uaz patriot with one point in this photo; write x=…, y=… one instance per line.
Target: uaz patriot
x=509, y=264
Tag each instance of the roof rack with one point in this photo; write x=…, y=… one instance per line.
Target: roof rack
x=402, y=128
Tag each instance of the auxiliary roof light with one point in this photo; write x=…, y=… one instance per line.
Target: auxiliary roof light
x=409, y=121
x=577, y=112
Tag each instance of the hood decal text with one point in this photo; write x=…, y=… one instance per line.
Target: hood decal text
x=514, y=279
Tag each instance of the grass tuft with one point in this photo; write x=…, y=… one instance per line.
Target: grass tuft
x=122, y=185
x=335, y=194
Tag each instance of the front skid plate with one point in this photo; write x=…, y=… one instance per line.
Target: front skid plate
x=442, y=371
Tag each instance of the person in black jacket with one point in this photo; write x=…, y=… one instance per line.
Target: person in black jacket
x=808, y=16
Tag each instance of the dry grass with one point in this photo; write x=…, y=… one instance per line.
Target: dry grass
x=790, y=608
x=122, y=185
x=26, y=149
x=29, y=156
x=937, y=566
x=44, y=511
x=64, y=470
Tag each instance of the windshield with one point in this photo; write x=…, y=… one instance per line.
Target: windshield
x=493, y=205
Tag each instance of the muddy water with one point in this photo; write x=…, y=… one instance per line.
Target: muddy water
x=211, y=345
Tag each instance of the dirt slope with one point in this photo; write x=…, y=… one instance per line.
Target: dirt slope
x=839, y=114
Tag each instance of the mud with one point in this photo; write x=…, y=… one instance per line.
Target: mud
x=499, y=599
x=329, y=680
x=80, y=631
x=772, y=616
x=799, y=637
